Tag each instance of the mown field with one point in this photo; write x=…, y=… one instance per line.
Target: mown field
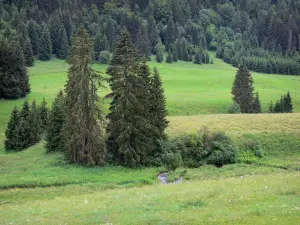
x=40, y=188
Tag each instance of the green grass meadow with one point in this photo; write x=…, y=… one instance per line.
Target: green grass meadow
x=40, y=188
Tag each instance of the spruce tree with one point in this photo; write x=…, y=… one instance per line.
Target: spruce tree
x=128, y=126
x=11, y=140
x=143, y=43
x=288, y=106
x=84, y=132
x=33, y=36
x=57, y=117
x=14, y=80
x=256, y=107
x=169, y=57
x=242, y=89
x=159, y=50
x=63, y=44
x=24, y=129
x=43, y=110
x=198, y=57
x=158, y=110
x=35, y=123
x=45, y=44
x=28, y=53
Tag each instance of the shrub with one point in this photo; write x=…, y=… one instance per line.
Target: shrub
x=250, y=151
x=172, y=160
x=201, y=148
x=221, y=149
x=104, y=57
x=234, y=108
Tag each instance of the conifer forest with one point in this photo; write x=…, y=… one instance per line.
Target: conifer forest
x=150, y=112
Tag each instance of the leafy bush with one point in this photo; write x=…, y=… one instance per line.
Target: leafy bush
x=221, y=149
x=250, y=151
x=173, y=160
x=104, y=57
x=201, y=148
x=234, y=109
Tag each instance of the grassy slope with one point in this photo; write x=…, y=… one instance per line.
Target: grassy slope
x=262, y=199
x=190, y=89
x=218, y=199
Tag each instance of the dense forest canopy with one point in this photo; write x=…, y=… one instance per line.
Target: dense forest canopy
x=264, y=35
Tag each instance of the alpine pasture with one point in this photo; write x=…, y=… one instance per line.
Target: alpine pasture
x=36, y=187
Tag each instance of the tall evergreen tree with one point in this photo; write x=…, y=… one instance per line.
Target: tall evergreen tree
x=159, y=50
x=256, y=107
x=158, y=110
x=63, y=44
x=84, y=133
x=169, y=58
x=288, y=106
x=28, y=53
x=11, y=140
x=33, y=36
x=35, y=123
x=14, y=80
x=242, y=89
x=143, y=43
x=45, y=44
x=44, y=112
x=153, y=33
x=128, y=127
x=24, y=129
x=57, y=117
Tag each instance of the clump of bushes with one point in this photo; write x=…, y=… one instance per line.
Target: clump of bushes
x=195, y=150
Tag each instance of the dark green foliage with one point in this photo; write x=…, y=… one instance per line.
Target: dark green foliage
x=169, y=58
x=129, y=142
x=84, y=134
x=143, y=43
x=234, y=108
x=288, y=106
x=14, y=80
x=242, y=89
x=203, y=148
x=11, y=141
x=284, y=105
x=35, y=123
x=43, y=110
x=158, y=106
x=172, y=160
x=159, y=51
x=198, y=58
x=45, y=48
x=57, y=117
x=271, y=107
x=256, y=107
x=63, y=44
x=100, y=44
x=32, y=28
x=104, y=57
x=28, y=53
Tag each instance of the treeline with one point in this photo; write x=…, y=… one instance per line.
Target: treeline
x=183, y=29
